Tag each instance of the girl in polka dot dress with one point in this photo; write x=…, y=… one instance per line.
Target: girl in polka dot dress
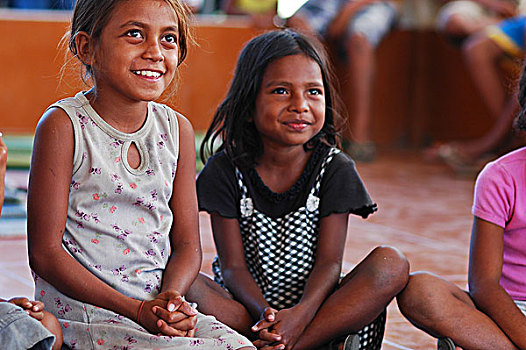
x=279, y=194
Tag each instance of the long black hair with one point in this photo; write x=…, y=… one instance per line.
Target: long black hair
x=520, y=121
x=232, y=123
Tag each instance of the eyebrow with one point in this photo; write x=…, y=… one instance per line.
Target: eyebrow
x=133, y=23
x=286, y=83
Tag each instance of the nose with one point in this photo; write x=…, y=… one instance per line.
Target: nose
x=299, y=103
x=153, y=51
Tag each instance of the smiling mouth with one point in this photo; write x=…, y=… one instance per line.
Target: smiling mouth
x=147, y=73
x=297, y=125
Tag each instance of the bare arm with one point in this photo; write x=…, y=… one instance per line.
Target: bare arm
x=338, y=25
x=230, y=8
x=485, y=270
x=327, y=268
x=504, y=8
x=179, y=318
x=3, y=164
x=185, y=258
x=237, y=278
x=48, y=193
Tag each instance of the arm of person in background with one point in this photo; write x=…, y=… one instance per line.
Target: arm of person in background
x=3, y=165
x=485, y=270
x=239, y=281
x=48, y=195
x=290, y=323
x=185, y=258
x=348, y=10
x=504, y=8
x=260, y=18
x=300, y=24
x=229, y=7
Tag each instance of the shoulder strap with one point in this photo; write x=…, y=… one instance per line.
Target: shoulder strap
x=241, y=184
x=316, y=188
x=71, y=112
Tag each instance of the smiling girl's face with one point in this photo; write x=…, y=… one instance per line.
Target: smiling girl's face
x=136, y=56
x=290, y=105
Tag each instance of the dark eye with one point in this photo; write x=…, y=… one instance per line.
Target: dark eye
x=170, y=38
x=279, y=91
x=315, y=91
x=134, y=33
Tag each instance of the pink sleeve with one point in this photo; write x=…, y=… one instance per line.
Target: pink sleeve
x=494, y=198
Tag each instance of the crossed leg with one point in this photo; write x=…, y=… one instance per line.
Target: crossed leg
x=441, y=309
x=362, y=295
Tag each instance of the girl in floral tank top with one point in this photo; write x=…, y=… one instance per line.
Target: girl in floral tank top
x=112, y=211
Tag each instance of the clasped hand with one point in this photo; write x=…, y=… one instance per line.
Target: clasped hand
x=33, y=308
x=279, y=330
x=169, y=314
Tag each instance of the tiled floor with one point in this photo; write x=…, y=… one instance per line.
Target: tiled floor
x=423, y=209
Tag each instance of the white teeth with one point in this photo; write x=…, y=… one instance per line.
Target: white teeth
x=147, y=73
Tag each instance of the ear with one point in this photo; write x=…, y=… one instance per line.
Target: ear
x=85, y=48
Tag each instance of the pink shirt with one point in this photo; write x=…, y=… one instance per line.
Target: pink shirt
x=500, y=198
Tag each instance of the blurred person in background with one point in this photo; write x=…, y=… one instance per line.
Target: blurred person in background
x=493, y=56
x=356, y=27
x=194, y=5
x=457, y=19
x=262, y=12
x=42, y=4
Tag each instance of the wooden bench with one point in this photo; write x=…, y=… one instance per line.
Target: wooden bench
x=422, y=91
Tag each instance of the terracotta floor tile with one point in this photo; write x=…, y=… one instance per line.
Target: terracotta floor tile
x=424, y=210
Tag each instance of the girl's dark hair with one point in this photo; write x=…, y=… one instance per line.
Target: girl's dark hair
x=520, y=122
x=91, y=16
x=232, y=123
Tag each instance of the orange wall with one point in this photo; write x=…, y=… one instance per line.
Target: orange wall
x=422, y=91
x=31, y=62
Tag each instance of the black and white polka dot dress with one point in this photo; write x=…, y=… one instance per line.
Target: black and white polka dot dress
x=280, y=252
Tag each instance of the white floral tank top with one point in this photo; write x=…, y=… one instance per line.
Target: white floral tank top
x=118, y=218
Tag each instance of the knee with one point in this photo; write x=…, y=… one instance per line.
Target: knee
x=390, y=269
x=198, y=289
x=476, y=48
x=358, y=43
x=420, y=295
x=457, y=25
x=51, y=323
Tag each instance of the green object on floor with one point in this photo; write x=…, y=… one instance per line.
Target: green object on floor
x=19, y=148
x=199, y=135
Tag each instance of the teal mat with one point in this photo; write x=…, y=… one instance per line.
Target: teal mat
x=12, y=227
x=21, y=146
x=19, y=150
